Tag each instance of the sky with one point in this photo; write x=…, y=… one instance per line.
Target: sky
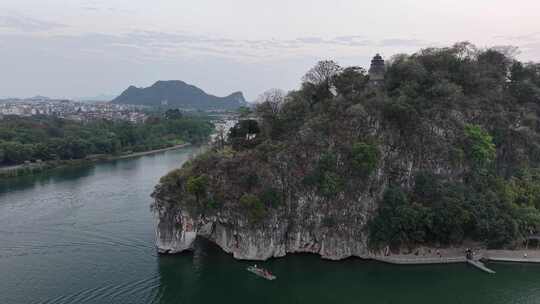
x=85, y=48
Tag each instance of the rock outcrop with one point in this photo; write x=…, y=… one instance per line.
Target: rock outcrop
x=445, y=150
x=304, y=222
x=177, y=230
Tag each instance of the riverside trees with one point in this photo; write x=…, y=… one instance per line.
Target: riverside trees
x=47, y=138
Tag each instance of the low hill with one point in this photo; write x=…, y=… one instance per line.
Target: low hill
x=443, y=151
x=178, y=94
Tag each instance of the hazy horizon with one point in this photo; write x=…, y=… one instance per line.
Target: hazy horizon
x=85, y=48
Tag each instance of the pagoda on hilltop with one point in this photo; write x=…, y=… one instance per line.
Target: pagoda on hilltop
x=376, y=70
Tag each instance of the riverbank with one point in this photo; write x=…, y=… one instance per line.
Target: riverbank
x=137, y=154
x=425, y=256
x=39, y=167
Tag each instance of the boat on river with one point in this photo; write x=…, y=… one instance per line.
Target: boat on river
x=263, y=273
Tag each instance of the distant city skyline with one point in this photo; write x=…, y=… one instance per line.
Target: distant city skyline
x=78, y=48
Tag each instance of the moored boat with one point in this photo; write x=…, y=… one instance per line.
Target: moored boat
x=263, y=273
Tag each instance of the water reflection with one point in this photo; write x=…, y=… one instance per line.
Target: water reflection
x=46, y=178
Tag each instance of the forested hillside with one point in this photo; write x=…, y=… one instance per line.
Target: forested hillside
x=48, y=138
x=446, y=149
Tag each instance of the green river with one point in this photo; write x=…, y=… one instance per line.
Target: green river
x=86, y=235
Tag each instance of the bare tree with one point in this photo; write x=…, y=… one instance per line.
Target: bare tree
x=322, y=73
x=269, y=107
x=271, y=101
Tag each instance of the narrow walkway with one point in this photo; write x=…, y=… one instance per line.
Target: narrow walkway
x=480, y=266
x=418, y=260
x=515, y=260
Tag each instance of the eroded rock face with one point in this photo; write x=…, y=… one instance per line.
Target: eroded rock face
x=279, y=234
x=305, y=221
x=175, y=232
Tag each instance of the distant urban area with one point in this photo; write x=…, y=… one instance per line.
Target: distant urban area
x=73, y=110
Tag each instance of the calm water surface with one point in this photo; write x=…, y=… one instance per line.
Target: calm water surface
x=86, y=235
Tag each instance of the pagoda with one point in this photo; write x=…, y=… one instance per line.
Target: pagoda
x=376, y=70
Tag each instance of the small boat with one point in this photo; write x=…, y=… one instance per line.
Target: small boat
x=263, y=273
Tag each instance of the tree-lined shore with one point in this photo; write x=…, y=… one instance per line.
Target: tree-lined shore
x=33, y=144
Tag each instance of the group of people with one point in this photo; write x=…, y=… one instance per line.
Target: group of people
x=469, y=254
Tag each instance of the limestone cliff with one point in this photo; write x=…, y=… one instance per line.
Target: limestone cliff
x=453, y=130
x=333, y=226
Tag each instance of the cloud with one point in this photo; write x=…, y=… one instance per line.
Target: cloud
x=168, y=45
x=91, y=8
x=397, y=42
x=535, y=36
x=104, y=7
x=26, y=24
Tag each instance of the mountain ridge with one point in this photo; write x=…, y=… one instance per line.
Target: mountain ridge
x=179, y=94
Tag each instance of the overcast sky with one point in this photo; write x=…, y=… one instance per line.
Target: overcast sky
x=79, y=48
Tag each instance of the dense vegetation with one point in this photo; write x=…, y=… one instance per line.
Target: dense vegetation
x=446, y=150
x=48, y=138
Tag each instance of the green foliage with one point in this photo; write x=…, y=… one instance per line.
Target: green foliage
x=271, y=198
x=268, y=149
x=479, y=146
x=497, y=228
x=400, y=114
x=197, y=186
x=351, y=81
x=450, y=218
x=432, y=115
x=253, y=206
x=328, y=162
x=15, y=152
x=330, y=184
x=244, y=112
x=173, y=114
x=364, y=158
x=325, y=177
x=523, y=189
x=427, y=188
x=171, y=178
x=500, y=214
x=244, y=134
x=48, y=138
x=398, y=222
x=212, y=203
x=249, y=180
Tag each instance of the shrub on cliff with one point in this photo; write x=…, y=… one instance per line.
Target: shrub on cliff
x=325, y=176
x=271, y=198
x=244, y=134
x=197, y=186
x=253, y=206
x=364, y=158
x=479, y=146
x=399, y=223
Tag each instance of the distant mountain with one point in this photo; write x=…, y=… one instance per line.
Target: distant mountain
x=178, y=94
x=100, y=97
x=38, y=98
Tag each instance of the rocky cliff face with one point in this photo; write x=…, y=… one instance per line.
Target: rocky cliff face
x=177, y=230
x=305, y=222
x=445, y=151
